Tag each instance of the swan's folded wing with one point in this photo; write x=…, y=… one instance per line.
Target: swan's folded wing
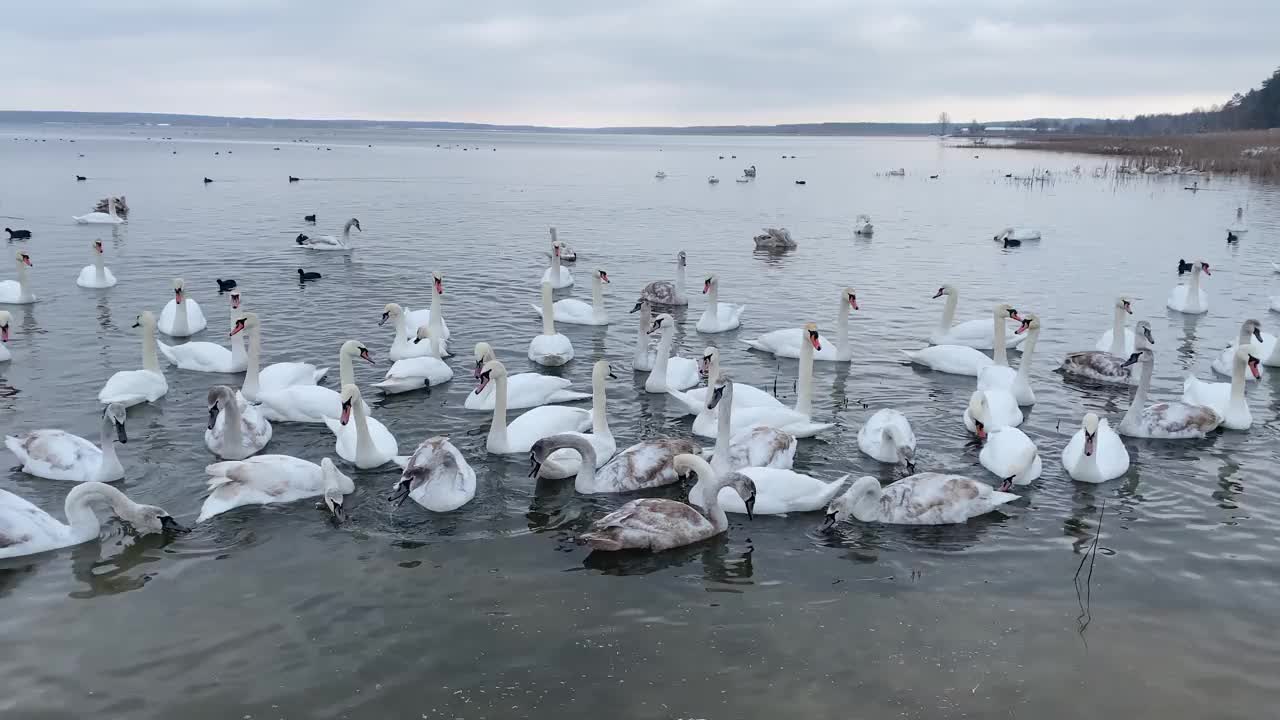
x=22, y=523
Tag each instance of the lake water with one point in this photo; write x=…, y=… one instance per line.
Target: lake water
x=493, y=611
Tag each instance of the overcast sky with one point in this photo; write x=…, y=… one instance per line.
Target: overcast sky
x=619, y=62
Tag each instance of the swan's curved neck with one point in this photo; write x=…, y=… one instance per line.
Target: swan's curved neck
x=149, y=359
x=548, y=312
x=843, y=351
x=723, y=422
x=586, y=479
x=1140, y=396
x=804, y=400
x=1028, y=348
x=1237, y=403
x=713, y=300
x=597, y=299
x=664, y=353
x=1117, y=332
x=83, y=521
x=250, y=387
x=948, y=313
x=231, y=435
x=708, y=489
x=364, y=442
x=1000, y=354
x=107, y=441
x=642, y=339
x=498, y=428
x=679, y=278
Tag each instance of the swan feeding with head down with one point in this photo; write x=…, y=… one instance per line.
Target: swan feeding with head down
x=26, y=529
x=273, y=479
x=922, y=499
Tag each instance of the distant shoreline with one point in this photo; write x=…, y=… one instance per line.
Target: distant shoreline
x=1252, y=152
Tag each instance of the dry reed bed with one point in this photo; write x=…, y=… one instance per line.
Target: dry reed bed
x=1252, y=152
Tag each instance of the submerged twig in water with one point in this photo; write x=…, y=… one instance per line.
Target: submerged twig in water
x=1091, y=554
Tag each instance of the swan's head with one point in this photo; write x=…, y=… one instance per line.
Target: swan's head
x=146, y=319
x=604, y=276
x=851, y=297
x=97, y=247
x=246, y=321
x=1124, y=303
x=661, y=322
x=708, y=358
x=491, y=371
x=1204, y=267
x=711, y=283
x=115, y=413
x=355, y=223
x=947, y=290
x=1025, y=461
x=1143, y=330
x=979, y=411
x=601, y=372
x=147, y=519
x=390, y=310
x=1030, y=322
x=437, y=283
x=235, y=299
x=350, y=395
x=1252, y=327
x=333, y=500
x=723, y=387
x=1143, y=355
x=219, y=397
x=542, y=449
x=811, y=336
x=681, y=259
x=177, y=290
x=1005, y=310
x=4, y=325
x=865, y=490
x=355, y=348
x=1090, y=426
x=641, y=305
x=746, y=489
x=334, y=482
x=483, y=354
x=24, y=259
x=1248, y=356
x=555, y=248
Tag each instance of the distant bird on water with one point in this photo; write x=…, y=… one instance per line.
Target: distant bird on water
x=309, y=218
x=81, y=178
x=18, y=234
x=225, y=285
x=304, y=276
x=293, y=179
x=207, y=181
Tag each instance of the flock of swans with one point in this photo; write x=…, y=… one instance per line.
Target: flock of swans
x=755, y=436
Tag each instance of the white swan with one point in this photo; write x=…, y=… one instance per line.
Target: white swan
x=96, y=275
x=775, y=239
x=276, y=376
x=211, y=357
x=665, y=292
x=527, y=429
x=782, y=342
x=1249, y=330
x=18, y=292
x=887, y=436
x=1226, y=399
x=415, y=373
x=131, y=387
x=5, y=317
x=744, y=395
x=59, y=455
x=1017, y=233
x=329, y=242
x=963, y=359
x=236, y=429
x=862, y=227
x=977, y=334
x=407, y=323
x=26, y=529
x=557, y=276
x=566, y=463
x=923, y=499
x=181, y=316
x=1003, y=377
x=1268, y=344
x=645, y=465
x=550, y=349
x=718, y=317
x=577, y=312
x=310, y=403
x=1166, y=420
x=644, y=357
x=365, y=443
x=990, y=410
x=436, y=476
x=524, y=390
x=797, y=421
x=101, y=218
x=1095, y=453
x=1103, y=367
x=669, y=372
x=1189, y=298
x=778, y=491
x=755, y=446
x=1010, y=455
x=273, y=479
x=1119, y=339
x=658, y=524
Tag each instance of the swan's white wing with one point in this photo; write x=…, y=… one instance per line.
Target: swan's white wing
x=300, y=403
x=56, y=455
x=201, y=357
x=130, y=387
x=25, y=528
x=543, y=421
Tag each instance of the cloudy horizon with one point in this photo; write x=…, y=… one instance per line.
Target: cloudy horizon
x=667, y=62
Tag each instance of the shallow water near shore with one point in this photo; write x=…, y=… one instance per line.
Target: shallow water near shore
x=493, y=611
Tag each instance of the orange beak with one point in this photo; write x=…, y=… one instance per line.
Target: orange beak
x=346, y=413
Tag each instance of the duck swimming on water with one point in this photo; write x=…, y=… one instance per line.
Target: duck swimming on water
x=309, y=218
x=225, y=285
x=303, y=275
x=18, y=234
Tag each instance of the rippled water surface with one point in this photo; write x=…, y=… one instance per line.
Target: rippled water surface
x=493, y=611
